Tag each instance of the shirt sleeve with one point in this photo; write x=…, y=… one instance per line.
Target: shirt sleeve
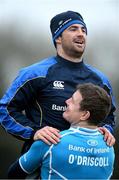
x=31, y=160
x=16, y=100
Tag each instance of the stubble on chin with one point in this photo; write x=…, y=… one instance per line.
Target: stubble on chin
x=76, y=52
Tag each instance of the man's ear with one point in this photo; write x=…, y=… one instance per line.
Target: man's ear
x=85, y=115
x=58, y=40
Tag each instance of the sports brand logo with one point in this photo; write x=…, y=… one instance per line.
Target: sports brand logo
x=58, y=84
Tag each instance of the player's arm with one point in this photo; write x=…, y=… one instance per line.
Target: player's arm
x=108, y=124
x=19, y=96
x=29, y=162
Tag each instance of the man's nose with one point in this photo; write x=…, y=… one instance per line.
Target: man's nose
x=80, y=32
x=68, y=100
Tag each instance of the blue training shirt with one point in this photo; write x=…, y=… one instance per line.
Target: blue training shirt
x=81, y=154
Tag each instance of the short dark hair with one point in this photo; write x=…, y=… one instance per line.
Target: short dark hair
x=95, y=100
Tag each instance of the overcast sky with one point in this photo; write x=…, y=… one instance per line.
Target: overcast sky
x=95, y=12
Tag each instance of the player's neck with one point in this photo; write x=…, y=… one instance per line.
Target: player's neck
x=84, y=125
x=69, y=57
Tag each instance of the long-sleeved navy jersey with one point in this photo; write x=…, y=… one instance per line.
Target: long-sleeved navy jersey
x=37, y=96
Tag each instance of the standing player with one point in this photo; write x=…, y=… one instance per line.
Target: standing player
x=32, y=107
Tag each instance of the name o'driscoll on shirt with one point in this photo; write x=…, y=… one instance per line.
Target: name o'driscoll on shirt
x=81, y=154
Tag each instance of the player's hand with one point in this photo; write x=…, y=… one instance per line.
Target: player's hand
x=108, y=137
x=48, y=134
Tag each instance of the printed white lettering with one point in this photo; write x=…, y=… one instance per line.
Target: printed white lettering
x=71, y=159
x=79, y=160
x=88, y=150
x=101, y=150
x=63, y=23
x=88, y=161
x=76, y=148
x=58, y=108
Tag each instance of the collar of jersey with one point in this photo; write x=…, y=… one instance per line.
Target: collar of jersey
x=68, y=63
x=85, y=130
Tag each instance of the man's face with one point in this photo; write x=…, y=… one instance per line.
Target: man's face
x=73, y=40
x=73, y=113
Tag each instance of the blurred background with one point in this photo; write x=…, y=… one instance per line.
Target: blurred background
x=25, y=38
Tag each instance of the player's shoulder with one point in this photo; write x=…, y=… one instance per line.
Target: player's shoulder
x=38, y=69
x=44, y=63
x=98, y=73
x=66, y=132
x=39, y=145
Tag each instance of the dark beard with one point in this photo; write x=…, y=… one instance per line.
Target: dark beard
x=75, y=54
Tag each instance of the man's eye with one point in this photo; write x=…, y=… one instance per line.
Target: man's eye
x=83, y=30
x=72, y=29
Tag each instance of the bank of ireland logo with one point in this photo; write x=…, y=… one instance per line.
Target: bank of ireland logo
x=92, y=142
x=58, y=85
